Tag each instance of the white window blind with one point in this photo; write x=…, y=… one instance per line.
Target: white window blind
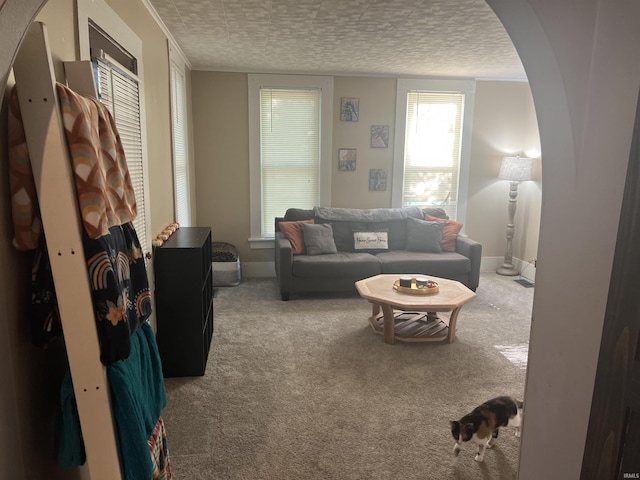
x=289, y=151
x=180, y=160
x=119, y=90
x=433, y=139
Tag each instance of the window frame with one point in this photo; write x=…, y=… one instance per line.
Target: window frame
x=177, y=64
x=115, y=27
x=255, y=82
x=464, y=87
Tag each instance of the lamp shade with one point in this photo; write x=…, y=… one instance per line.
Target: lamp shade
x=515, y=169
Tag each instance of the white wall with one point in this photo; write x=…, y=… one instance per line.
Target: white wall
x=583, y=66
x=504, y=124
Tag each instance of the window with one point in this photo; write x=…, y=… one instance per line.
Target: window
x=115, y=52
x=290, y=147
x=179, y=133
x=289, y=151
x=432, y=144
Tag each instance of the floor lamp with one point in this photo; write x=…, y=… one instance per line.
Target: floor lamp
x=515, y=169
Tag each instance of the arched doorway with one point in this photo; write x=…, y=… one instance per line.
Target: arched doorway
x=572, y=58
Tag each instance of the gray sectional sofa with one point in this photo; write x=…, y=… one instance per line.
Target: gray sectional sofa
x=406, y=245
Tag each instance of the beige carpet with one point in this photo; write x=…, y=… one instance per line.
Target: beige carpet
x=306, y=390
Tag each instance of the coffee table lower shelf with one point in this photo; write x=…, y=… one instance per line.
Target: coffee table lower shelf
x=414, y=326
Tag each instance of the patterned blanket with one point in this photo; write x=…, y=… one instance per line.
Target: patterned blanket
x=115, y=263
x=24, y=205
x=103, y=185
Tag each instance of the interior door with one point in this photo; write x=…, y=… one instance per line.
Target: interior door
x=613, y=439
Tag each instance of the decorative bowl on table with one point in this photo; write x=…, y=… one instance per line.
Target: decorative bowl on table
x=418, y=286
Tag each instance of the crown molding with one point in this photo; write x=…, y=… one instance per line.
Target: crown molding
x=163, y=27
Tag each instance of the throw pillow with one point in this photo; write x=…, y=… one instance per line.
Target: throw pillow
x=318, y=238
x=293, y=232
x=370, y=241
x=423, y=236
x=449, y=233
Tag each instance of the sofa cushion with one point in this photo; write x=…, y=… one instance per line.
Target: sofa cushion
x=366, y=215
x=423, y=236
x=294, y=214
x=293, y=232
x=318, y=239
x=435, y=212
x=336, y=265
x=449, y=233
x=345, y=220
x=444, y=264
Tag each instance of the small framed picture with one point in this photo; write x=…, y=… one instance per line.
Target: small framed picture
x=379, y=136
x=349, y=109
x=347, y=159
x=377, y=179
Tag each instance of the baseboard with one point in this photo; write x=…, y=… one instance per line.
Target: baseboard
x=527, y=269
x=490, y=264
x=258, y=269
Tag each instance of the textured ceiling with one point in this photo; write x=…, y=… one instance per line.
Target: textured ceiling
x=460, y=38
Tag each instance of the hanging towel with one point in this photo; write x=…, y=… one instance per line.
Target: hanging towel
x=138, y=396
x=69, y=447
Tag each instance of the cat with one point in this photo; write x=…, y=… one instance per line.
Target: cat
x=482, y=424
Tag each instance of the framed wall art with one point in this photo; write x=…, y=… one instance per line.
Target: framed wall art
x=379, y=136
x=347, y=159
x=378, y=179
x=349, y=109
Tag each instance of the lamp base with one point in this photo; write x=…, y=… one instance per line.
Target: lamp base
x=507, y=270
